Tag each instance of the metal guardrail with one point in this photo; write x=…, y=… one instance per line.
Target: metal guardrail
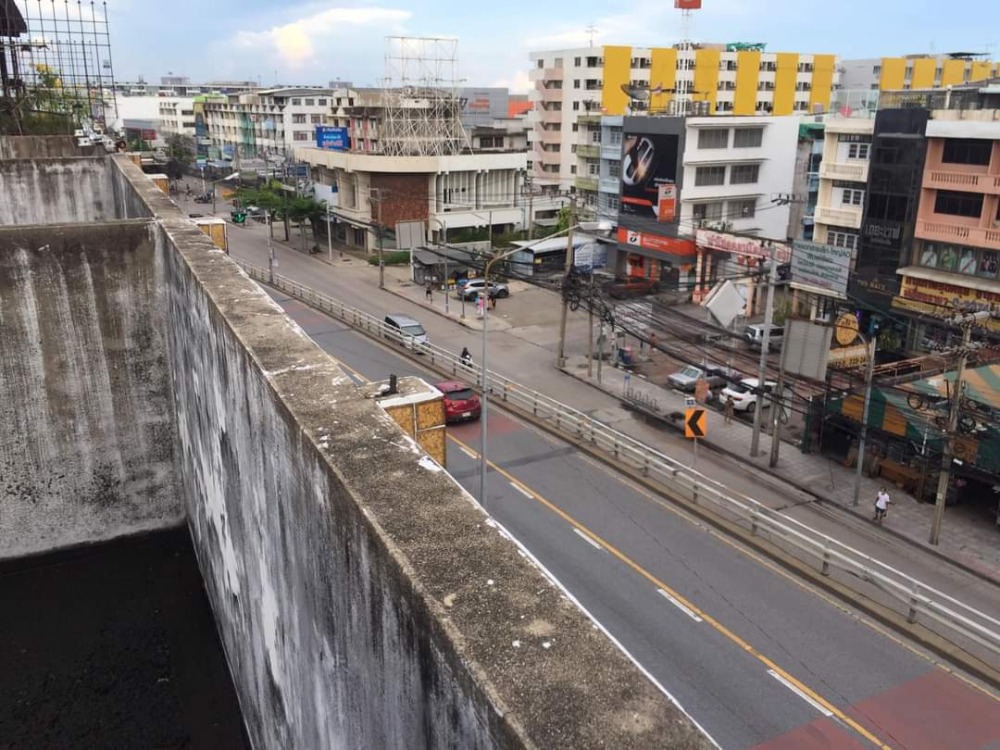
x=912, y=598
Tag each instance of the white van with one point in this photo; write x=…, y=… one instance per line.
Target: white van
x=407, y=330
x=754, y=336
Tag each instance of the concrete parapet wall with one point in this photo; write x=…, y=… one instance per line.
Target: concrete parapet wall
x=43, y=147
x=87, y=437
x=56, y=191
x=363, y=598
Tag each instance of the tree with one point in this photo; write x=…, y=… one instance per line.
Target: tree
x=138, y=144
x=180, y=153
x=283, y=205
x=565, y=216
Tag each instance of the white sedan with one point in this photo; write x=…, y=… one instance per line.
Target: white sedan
x=744, y=394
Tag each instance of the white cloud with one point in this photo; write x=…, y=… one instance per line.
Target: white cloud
x=299, y=44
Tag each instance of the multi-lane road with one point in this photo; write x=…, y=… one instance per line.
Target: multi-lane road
x=755, y=657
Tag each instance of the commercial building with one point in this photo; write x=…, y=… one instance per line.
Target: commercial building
x=445, y=193
x=266, y=123
x=920, y=71
x=733, y=79
x=686, y=182
x=177, y=116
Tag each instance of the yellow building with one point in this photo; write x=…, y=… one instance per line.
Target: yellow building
x=916, y=72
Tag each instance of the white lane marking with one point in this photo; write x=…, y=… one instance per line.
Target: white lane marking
x=600, y=626
x=686, y=610
x=467, y=452
x=522, y=491
x=819, y=707
x=587, y=539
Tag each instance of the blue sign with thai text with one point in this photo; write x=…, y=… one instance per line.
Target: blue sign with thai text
x=334, y=139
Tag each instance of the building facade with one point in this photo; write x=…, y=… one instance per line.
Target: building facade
x=445, y=193
x=266, y=123
x=617, y=80
x=915, y=72
x=177, y=116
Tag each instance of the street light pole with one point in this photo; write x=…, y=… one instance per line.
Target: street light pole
x=765, y=346
x=329, y=233
x=270, y=247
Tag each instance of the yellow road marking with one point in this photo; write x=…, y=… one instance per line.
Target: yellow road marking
x=715, y=624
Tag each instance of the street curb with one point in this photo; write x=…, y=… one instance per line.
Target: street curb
x=782, y=480
x=495, y=324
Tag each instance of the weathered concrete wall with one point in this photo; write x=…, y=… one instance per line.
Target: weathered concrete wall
x=363, y=599
x=56, y=191
x=43, y=147
x=87, y=437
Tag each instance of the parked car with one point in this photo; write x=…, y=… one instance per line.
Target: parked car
x=407, y=330
x=203, y=198
x=473, y=287
x=754, y=336
x=460, y=402
x=717, y=376
x=627, y=288
x=745, y=393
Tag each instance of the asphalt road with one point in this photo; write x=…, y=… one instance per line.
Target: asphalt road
x=752, y=655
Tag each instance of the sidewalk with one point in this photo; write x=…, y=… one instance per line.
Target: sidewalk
x=973, y=543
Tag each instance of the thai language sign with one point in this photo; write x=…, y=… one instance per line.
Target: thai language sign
x=822, y=269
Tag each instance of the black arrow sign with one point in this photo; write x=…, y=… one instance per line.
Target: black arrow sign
x=694, y=425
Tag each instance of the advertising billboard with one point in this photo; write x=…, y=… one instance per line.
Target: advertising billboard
x=332, y=139
x=688, y=4
x=649, y=177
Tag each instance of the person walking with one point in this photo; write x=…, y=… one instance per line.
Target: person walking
x=881, y=505
x=429, y=294
x=730, y=406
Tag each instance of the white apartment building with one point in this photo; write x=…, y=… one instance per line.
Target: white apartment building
x=177, y=116
x=609, y=169
x=742, y=80
x=267, y=123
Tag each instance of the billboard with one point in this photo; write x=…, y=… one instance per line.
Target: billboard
x=688, y=4
x=751, y=247
x=333, y=139
x=658, y=243
x=649, y=177
x=822, y=269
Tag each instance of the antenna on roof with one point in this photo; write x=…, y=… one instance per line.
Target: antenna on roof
x=591, y=32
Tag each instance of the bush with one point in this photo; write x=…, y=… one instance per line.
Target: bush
x=391, y=258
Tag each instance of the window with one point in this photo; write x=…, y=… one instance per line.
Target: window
x=576, y=83
x=576, y=127
x=572, y=169
x=296, y=102
x=967, y=151
x=593, y=169
x=315, y=119
x=853, y=197
x=541, y=63
x=842, y=239
x=858, y=150
x=298, y=119
x=595, y=136
x=745, y=209
x=744, y=174
x=710, y=176
x=301, y=135
x=613, y=202
x=310, y=102
x=576, y=106
x=708, y=211
x=576, y=62
x=989, y=263
x=748, y=137
x=888, y=207
x=614, y=169
x=713, y=138
x=321, y=102
x=958, y=204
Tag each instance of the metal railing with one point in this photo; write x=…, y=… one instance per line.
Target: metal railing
x=910, y=597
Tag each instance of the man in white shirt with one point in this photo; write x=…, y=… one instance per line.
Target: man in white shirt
x=881, y=505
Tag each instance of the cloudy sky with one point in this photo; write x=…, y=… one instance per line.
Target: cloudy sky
x=315, y=41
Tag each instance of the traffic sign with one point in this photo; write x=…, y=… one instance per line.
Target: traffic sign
x=694, y=423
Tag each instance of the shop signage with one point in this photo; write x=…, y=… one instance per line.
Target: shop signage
x=751, y=247
x=854, y=138
x=657, y=243
x=941, y=299
x=822, y=269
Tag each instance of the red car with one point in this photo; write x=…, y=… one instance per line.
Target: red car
x=460, y=401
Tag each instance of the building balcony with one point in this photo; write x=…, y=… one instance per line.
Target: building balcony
x=547, y=157
x=589, y=119
x=611, y=152
x=848, y=216
x=588, y=184
x=547, y=136
x=842, y=171
x=550, y=117
x=589, y=151
x=974, y=183
x=548, y=95
x=959, y=235
x=610, y=185
x=546, y=74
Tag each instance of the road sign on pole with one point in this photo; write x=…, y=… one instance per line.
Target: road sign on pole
x=694, y=423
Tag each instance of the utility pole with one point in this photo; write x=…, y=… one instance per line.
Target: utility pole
x=270, y=247
x=561, y=357
x=377, y=200
x=872, y=345
x=948, y=452
x=772, y=281
x=329, y=233
x=590, y=331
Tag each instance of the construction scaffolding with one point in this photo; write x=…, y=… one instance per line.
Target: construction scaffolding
x=421, y=109
x=55, y=67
